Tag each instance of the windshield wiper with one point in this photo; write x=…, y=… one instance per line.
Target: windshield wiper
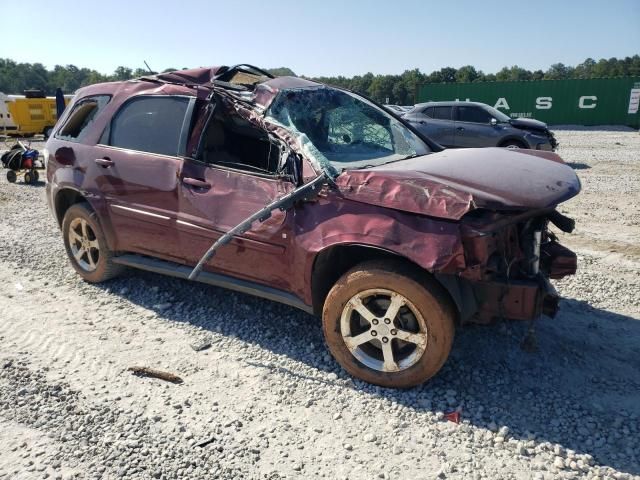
x=366, y=166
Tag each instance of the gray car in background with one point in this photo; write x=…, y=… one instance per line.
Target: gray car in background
x=472, y=124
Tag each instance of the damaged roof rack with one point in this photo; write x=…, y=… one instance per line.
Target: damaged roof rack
x=242, y=77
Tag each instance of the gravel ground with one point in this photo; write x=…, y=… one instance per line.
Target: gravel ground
x=265, y=400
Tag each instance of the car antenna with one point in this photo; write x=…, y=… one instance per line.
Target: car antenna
x=148, y=67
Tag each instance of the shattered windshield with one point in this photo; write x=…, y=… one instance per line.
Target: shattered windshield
x=341, y=130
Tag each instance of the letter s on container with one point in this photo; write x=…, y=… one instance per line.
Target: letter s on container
x=582, y=104
x=544, y=103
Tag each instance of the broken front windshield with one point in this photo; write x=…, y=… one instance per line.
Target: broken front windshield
x=341, y=130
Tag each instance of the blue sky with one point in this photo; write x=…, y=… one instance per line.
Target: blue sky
x=325, y=37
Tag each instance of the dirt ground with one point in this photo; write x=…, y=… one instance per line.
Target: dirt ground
x=265, y=400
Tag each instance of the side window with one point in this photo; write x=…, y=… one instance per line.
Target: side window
x=473, y=114
x=81, y=117
x=231, y=141
x=149, y=124
x=438, y=113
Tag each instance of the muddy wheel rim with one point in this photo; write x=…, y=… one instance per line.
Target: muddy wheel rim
x=383, y=330
x=84, y=244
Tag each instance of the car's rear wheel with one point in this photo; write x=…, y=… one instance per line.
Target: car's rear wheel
x=388, y=325
x=86, y=246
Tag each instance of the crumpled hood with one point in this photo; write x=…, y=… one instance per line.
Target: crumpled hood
x=450, y=183
x=528, y=124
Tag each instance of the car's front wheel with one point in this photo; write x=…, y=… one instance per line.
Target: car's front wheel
x=86, y=246
x=513, y=144
x=388, y=325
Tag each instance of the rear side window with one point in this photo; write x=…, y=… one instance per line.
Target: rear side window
x=438, y=113
x=473, y=114
x=81, y=117
x=150, y=124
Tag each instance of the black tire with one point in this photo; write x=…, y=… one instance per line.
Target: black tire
x=28, y=177
x=11, y=176
x=35, y=176
x=426, y=302
x=513, y=144
x=13, y=158
x=96, y=264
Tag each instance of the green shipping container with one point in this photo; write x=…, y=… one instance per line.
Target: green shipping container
x=595, y=101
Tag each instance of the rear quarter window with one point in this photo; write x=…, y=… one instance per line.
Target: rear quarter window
x=80, y=119
x=149, y=124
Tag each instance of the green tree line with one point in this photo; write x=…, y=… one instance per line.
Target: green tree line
x=17, y=77
x=398, y=89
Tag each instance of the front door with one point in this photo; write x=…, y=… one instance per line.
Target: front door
x=215, y=199
x=473, y=127
x=137, y=167
x=234, y=175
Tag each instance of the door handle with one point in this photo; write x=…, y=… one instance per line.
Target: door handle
x=105, y=162
x=194, y=182
x=422, y=122
x=460, y=129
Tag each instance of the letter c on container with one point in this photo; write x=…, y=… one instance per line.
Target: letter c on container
x=593, y=98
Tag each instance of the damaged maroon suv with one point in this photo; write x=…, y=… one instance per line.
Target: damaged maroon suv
x=315, y=197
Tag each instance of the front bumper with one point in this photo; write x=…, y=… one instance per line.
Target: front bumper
x=524, y=299
x=515, y=300
x=509, y=263
x=546, y=142
x=545, y=146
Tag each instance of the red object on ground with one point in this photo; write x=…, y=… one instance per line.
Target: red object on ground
x=453, y=417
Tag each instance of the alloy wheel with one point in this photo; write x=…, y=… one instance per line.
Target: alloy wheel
x=383, y=330
x=84, y=244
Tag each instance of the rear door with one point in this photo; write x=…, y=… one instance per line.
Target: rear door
x=473, y=127
x=137, y=165
x=435, y=122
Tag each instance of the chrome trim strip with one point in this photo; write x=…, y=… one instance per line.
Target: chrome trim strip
x=141, y=212
x=187, y=224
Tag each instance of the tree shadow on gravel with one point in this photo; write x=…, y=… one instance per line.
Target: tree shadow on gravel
x=580, y=390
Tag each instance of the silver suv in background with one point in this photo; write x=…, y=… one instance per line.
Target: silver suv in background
x=473, y=124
